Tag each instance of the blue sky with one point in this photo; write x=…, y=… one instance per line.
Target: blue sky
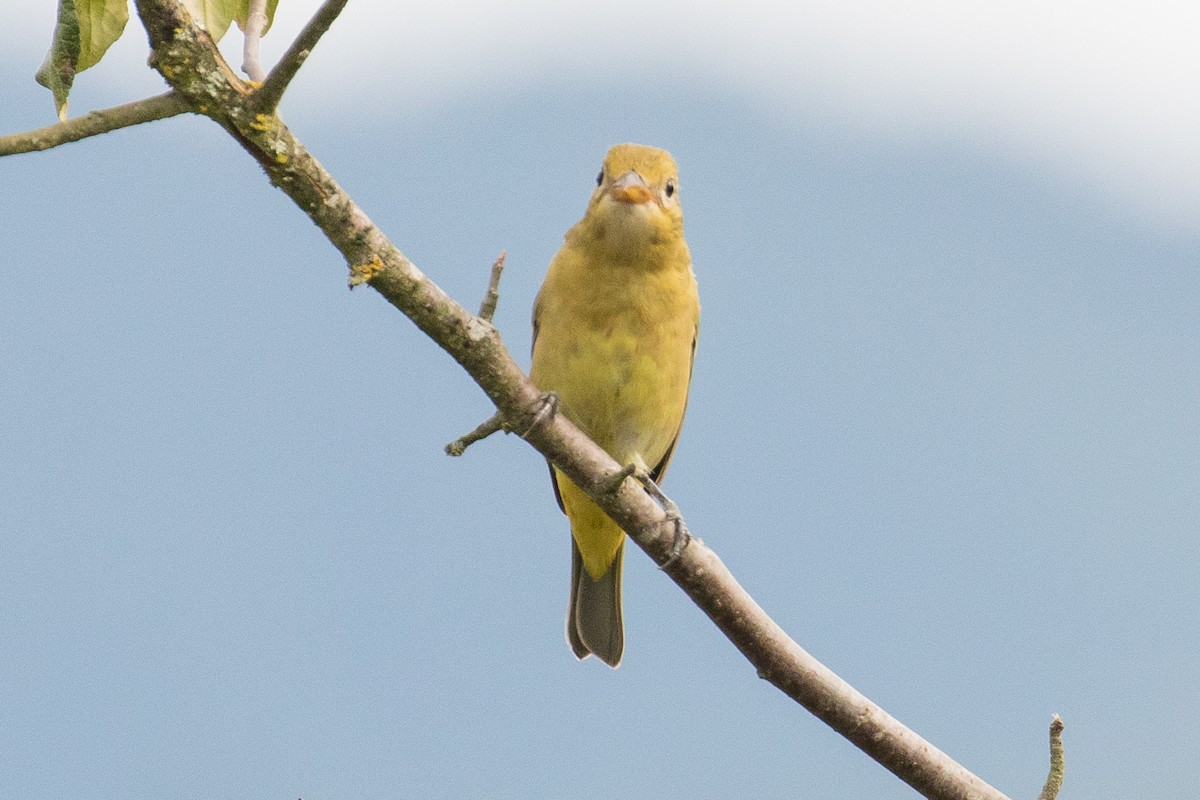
x=943, y=424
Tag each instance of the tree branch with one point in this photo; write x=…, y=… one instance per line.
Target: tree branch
x=271, y=92
x=491, y=425
x=1055, y=778
x=189, y=61
x=487, y=309
x=95, y=122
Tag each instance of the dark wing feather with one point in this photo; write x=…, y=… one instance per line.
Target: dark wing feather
x=554, y=483
x=660, y=469
x=553, y=477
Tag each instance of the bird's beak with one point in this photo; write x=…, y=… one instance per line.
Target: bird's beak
x=630, y=188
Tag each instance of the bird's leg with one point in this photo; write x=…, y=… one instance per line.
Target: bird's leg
x=670, y=509
x=547, y=408
x=637, y=470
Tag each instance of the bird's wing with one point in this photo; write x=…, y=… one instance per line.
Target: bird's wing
x=553, y=476
x=660, y=469
x=533, y=343
x=554, y=483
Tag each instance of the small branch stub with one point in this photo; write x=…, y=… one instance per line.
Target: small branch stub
x=543, y=409
x=487, y=309
x=485, y=429
x=1055, y=778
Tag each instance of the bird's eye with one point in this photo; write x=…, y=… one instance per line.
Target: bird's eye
x=670, y=190
x=600, y=178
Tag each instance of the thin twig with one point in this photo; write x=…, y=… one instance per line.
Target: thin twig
x=271, y=92
x=1055, y=778
x=256, y=21
x=487, y=309
x=486, y=428
x=94, y=122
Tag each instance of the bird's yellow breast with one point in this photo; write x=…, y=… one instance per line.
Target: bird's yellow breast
x=615, y=342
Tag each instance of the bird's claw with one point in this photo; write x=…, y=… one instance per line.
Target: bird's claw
x=682, y=535
x=670, y=511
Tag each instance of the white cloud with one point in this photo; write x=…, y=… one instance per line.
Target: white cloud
x=1109, y=91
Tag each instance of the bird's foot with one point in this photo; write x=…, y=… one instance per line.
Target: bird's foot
x=671, y=512
x=682, y=535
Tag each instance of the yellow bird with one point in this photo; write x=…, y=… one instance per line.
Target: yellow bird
x=614, y=334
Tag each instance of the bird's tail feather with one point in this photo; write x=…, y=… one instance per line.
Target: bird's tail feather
x=594, y=624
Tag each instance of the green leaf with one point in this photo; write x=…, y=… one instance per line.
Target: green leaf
x=82, y=35
x=101, y=23
x=244, y=15
x=215, y=15
x=57, y=72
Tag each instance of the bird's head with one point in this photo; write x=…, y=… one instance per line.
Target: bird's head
x=636, y=201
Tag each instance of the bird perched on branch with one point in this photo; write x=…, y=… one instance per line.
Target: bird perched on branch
x=614, y=334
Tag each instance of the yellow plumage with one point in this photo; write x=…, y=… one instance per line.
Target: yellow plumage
x=615, y=328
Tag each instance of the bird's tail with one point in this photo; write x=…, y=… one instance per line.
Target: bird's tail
x=594, y=624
